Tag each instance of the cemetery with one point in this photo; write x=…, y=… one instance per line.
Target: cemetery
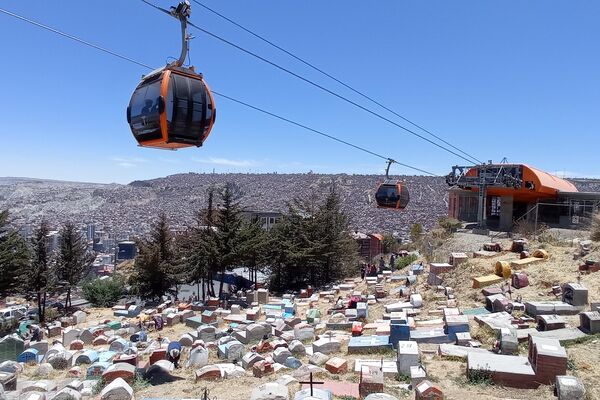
x=513, y=329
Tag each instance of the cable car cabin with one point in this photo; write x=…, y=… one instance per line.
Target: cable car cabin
x=392, y=195
x=171, y=108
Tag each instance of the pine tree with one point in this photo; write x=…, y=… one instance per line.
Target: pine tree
x=254, y=244
x=14, y=257
x=73, y=262
x=227, y=232
x=155, y=263
x=38, y=277
x=337, y=251
x=312, y=245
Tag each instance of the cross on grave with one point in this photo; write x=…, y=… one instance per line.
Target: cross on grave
x=330, y=335
x=311, y=383
x=374, y=341
x=206, y=394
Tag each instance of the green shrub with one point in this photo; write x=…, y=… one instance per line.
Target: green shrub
x=449, y=225
x=403, y=262
x=104, y=292
x=481, y=377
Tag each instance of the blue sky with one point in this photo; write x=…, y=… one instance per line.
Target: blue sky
x=498, y=79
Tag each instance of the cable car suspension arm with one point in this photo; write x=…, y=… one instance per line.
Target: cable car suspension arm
x=182, y=12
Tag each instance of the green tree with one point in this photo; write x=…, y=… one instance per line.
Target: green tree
x=416, y=231
x=154, y=265
x=38, y=277
x=337, y=252
x=254, y=245
x=390, y=244
x=104, y=292
x=73, y=262
x=312, y=245
x=14, y=257
x=227, y=231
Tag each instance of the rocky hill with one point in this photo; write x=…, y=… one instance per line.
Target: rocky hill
x=130, y=208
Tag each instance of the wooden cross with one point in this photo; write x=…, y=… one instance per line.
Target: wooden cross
x=206, y=394
x=311, y=383
x=330, y=334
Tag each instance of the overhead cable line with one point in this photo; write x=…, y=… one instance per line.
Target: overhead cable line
x=247, y=105
x=330, y=76
x=313, y=83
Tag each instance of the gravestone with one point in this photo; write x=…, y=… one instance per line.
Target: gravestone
x=380, y=396
x=117, y=390
x=11, y=347
x=317, y=394
x=362, y=310
x=304, y=332
x=41, y=346
x=281, y=354
x=69, y=335
x=337, y=365
x=194, y=322
x=292, y=362
x=119, y=345
x=44, y=370
x=270, y=391
x=61, y=360
x=67, y=394
x=231, y=351
x=398, y=332
x=262, y=296
x=87, y=357
x=296, y=347
x=96, y=370
x=326, y=346
x=8, y=380
x=250, y=359
x=29, y=356
x=368, y=344
x=119, y=370
x=106, y=356
x=87, y=337
x=198, y=358
x=408, y=356
x=79, y=317
x=186, y=340
x=208, y=373
x=318, y=359
x=417, y=375
x=207, y=333
x=569, y=387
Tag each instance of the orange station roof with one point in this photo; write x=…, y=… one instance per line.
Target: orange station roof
x=545, y=185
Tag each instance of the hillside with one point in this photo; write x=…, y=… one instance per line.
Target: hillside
x=129, y=208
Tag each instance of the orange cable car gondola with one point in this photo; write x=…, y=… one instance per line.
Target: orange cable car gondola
x=172, y=107
x=391, y=193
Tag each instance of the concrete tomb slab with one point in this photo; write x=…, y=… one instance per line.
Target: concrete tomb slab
x=510, y=371
x=270, y=391
x=367, y=344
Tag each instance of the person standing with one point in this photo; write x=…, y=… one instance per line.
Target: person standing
x=363, y=271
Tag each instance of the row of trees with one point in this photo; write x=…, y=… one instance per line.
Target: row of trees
x=28, y=267
x=309, y=245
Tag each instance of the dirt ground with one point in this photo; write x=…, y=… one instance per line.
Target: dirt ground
x=584, y=359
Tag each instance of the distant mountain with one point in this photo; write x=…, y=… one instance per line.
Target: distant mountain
x=129, y=209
